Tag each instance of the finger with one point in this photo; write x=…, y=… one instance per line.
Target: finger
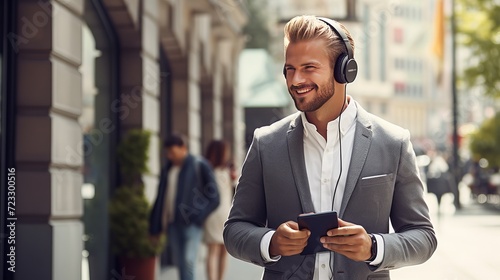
x=281, y=245
x=343, y=223
x=287, y=230
x=295, y=232
x=351, y=252
x=345, y=229
x=340, y=248
x=351, y=240
x=338, y=240
x=286, y=241
x=293, y=225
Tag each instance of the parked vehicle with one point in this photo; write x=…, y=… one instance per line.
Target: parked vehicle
x=484, y=183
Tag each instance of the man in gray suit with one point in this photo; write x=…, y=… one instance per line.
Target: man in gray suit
x=332, y=155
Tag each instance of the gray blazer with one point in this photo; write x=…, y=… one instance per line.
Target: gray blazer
x=274, y=188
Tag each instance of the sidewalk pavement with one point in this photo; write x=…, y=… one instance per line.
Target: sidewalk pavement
x=236, y=269
x=468, y=243
x=468, y=247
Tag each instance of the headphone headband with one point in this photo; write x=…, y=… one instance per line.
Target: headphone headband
x=346, y=68
x=335, y=26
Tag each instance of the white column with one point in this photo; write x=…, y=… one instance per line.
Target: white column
x=49, y=151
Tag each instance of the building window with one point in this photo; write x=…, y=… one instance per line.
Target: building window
x=415, y=65
x=165, y=96
x=366, y=49
x=382, y=48
x=398, y=35
x=398, y=10
x=399, y=88
x=420, y=91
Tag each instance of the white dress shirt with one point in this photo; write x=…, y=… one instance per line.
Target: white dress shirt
x=322, y=157
x=170, y=196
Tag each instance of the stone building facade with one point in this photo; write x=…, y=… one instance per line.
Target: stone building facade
x=79, y=74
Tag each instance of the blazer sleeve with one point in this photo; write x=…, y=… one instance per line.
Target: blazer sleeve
x=246, y=224
x=414, y=240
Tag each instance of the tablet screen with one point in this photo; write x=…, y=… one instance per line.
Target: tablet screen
x=318, y=224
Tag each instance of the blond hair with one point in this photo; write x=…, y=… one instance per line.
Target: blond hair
x=308, y=27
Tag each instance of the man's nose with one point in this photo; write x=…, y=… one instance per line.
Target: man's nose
x=297, y=77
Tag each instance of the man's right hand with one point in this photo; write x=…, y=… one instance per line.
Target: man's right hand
x=288, y=240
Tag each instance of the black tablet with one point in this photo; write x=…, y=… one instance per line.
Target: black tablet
x=318, y=224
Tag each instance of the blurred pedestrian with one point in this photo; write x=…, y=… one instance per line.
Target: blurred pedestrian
x=438, y=176
x=330, y=156
x=218, y=154
x=187, y=194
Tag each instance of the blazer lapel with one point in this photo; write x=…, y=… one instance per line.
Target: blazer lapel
x=295, y=138
x=361, y=145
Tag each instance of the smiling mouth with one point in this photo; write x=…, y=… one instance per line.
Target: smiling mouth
x=304, y=90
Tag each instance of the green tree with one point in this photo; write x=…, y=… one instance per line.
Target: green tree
x=478, y=29
x=485, y=141
x=256, y=30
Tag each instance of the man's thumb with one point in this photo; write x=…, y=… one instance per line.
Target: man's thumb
x=292, y=225
x=343, y=223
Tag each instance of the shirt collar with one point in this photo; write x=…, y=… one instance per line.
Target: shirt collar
x=348, y=117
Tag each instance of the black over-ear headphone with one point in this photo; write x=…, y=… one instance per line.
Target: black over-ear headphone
x=346, y=68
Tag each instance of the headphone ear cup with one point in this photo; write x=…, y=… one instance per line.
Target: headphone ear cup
x=350, y=70
x=339, y=70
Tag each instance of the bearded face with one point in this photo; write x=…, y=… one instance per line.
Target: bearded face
x=309, y=75
x=320, y=95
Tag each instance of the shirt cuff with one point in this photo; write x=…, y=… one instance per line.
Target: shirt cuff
x=265, y=242
x=380, y=250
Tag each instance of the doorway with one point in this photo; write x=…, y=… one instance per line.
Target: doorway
x=99, y=124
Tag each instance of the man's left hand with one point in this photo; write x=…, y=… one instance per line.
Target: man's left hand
x=349, y=240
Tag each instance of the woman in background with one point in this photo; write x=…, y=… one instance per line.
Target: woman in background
x=218, y=155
